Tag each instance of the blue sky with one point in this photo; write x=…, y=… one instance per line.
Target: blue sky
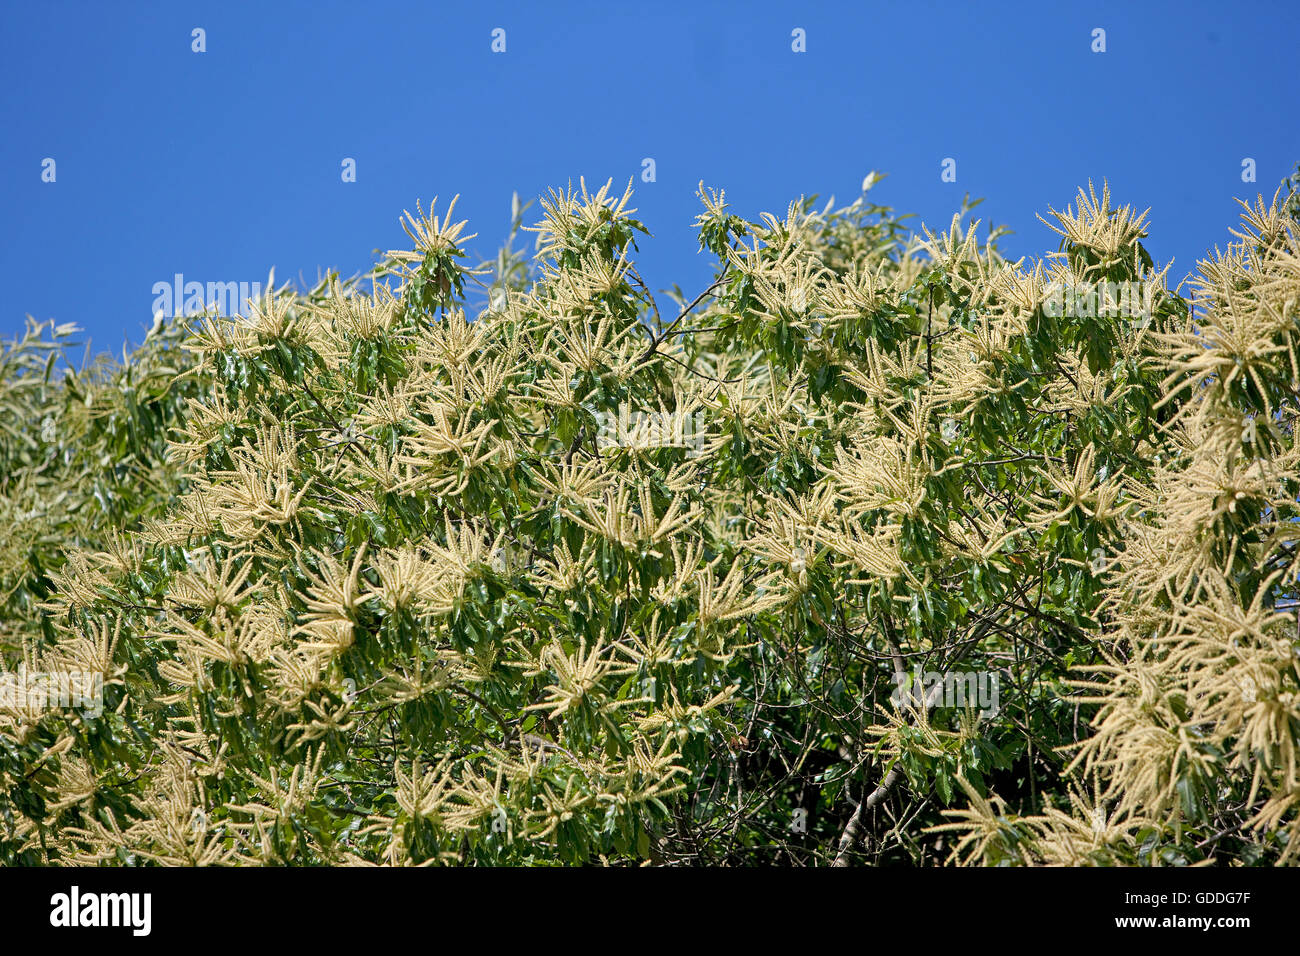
x=223, y=164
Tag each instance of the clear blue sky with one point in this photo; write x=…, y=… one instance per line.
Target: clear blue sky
x=222, y=164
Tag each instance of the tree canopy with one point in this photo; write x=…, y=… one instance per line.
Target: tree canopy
x=880, y=548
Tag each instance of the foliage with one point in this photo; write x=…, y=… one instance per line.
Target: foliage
x=369, y=581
